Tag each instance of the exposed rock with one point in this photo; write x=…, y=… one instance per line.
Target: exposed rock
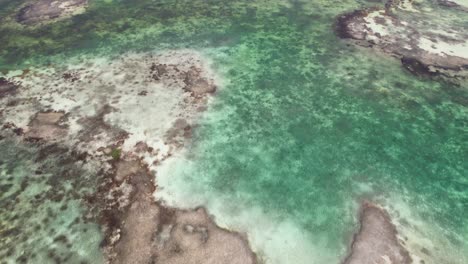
x=142, y=147
x=46, y=126
x=423, y=50
x=135, y=215
x=47, y=10
x=194, y=238
x=376, y=242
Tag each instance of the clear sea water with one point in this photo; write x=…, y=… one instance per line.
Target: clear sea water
x=305, y=127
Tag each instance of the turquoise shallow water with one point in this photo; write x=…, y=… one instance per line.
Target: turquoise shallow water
x=306, y=125
x=307, y=133
x=41, y=217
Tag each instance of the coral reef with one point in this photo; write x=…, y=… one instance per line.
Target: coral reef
x=138, y=112
x=377, y=241
x=404, y=34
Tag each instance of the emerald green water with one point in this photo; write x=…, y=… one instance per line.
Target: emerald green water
x=306, y=125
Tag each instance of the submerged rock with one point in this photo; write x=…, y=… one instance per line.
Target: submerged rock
x=124, y=136
x=47, y=10
x=376, y=242
x=193, y=77
x=7, y=87
x=421, y=48
x=454, y=4
x=198, y=85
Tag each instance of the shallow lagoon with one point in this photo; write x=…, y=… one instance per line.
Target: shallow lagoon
x=304, y=128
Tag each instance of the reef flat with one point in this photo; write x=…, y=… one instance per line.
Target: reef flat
x=111, y=134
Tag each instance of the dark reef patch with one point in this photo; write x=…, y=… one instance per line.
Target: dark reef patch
x=7, y=87
x=416, y=67
x=343, y=21
x=47, y=126
x=420, y=50
x=47, y=10
x=197, y=85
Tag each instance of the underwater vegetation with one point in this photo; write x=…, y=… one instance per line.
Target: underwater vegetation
x=303, y=126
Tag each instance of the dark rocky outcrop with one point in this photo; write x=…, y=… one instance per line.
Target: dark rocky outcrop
x=415, y=66
x=47, y=10
x=376, y=242
x=7, y=87
x=420, y=50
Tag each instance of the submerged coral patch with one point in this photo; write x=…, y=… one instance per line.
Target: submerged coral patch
x=121, y=120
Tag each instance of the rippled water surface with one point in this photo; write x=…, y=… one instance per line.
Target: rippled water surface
x=304, y=128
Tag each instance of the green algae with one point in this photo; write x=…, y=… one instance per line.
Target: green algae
x=116, y=153
x=307, y=125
